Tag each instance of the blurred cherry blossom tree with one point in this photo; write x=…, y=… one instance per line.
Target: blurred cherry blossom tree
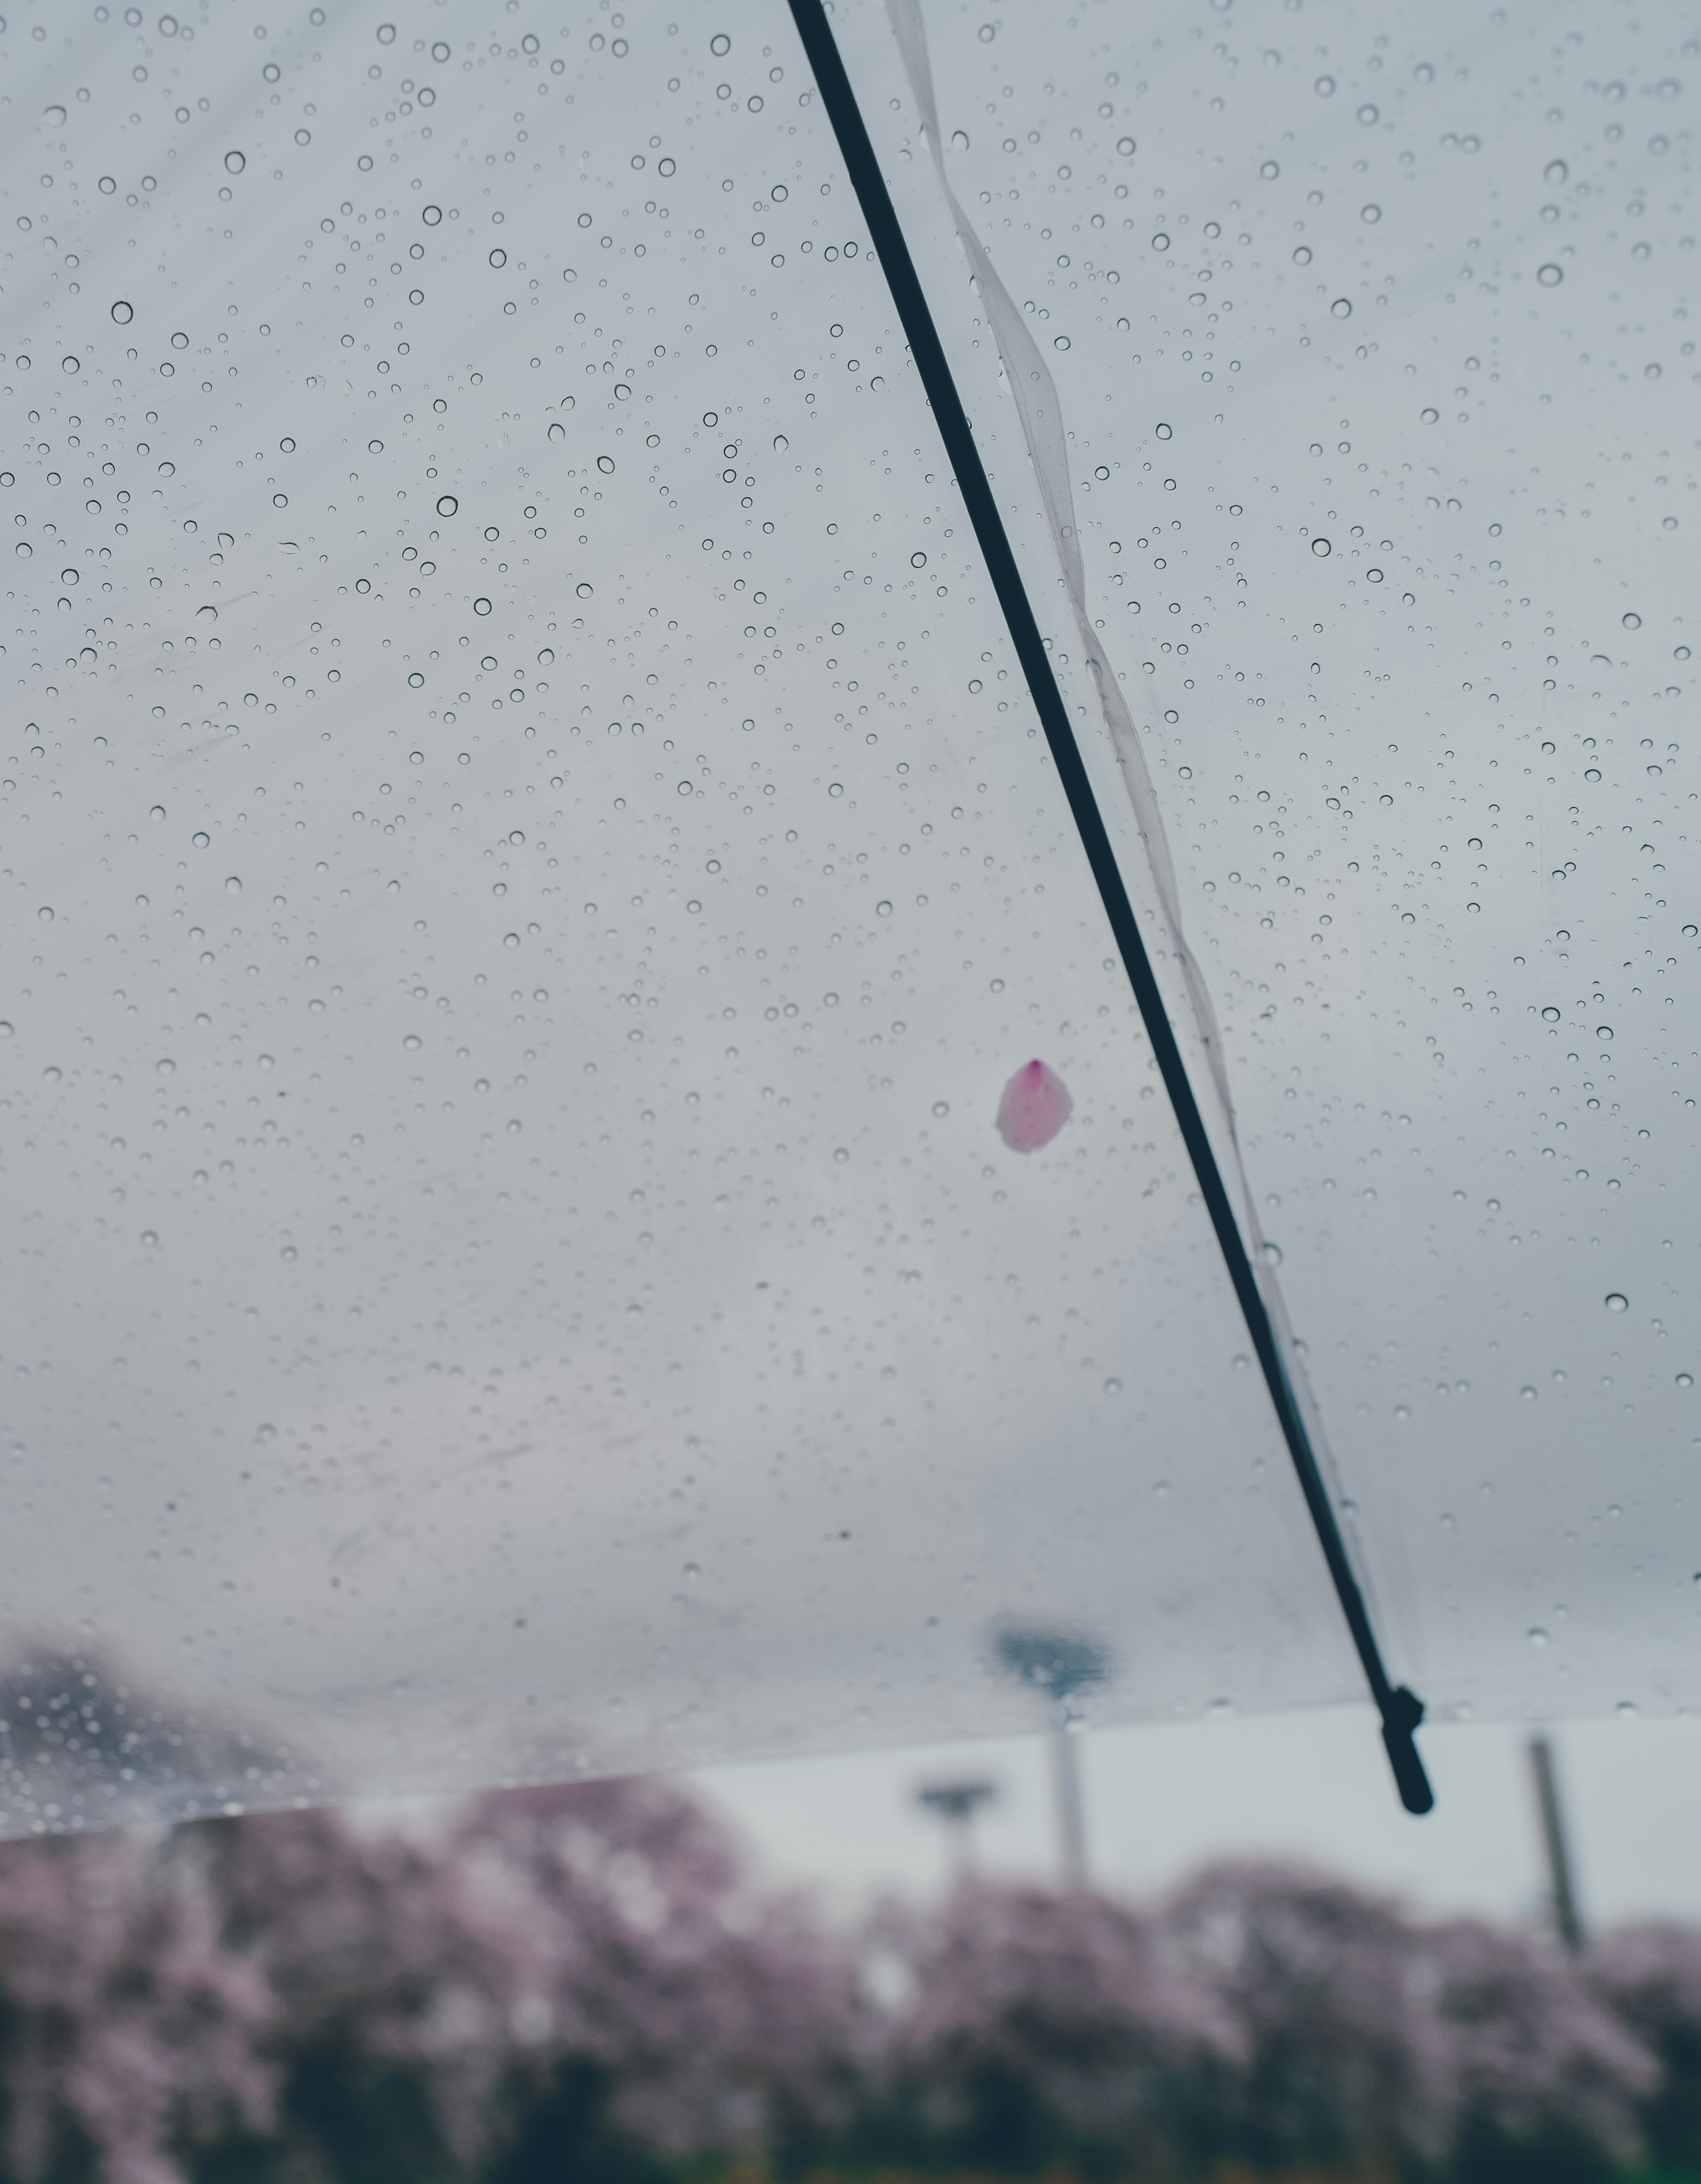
x=1545, y=2080
x=1547, y=2083
x=579, y=1973
x=586, y=1983
x=1650, y=1977
x=130, y=2040
x=1343, y=2063
x=1034, y=2029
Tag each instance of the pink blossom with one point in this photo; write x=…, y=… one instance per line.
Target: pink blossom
x=1044, y=2029
x=1540, y=2067
x=1034, y=1107
x=124, y=2028
x=1650, y=1977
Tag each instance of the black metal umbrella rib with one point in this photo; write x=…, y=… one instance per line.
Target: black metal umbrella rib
x=1400, y=1709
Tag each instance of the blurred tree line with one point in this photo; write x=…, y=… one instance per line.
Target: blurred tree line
x=585, y=1984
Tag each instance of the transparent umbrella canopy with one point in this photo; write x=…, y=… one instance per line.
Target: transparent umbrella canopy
x=591, y=1180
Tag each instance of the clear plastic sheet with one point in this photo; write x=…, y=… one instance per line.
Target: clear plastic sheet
x=531, y=871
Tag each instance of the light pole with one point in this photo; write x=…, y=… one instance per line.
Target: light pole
x=1058, y=1666
x=1567, y=1922
x=957, y=1803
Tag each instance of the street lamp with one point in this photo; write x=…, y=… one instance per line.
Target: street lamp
x=1059, y=1666
x=957, y=1803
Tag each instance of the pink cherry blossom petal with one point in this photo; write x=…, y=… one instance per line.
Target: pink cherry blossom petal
x=1034, y=1107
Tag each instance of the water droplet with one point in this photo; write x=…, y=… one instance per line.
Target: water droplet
x=1626, y=1710
x=1272, y=1254
x=235, y=162
x=499, y=258
x=836, y=788
x=1403, y=1411
x=1550, y=276
x=1370, y=213
x=1269, y=170
x=583, y=590
x=1616, y=1302
x=6, y=1030
x=605, y=464
x=1686, y=1380
x=1126, y=145
x=1165, y=431
x=447, y=504
x=882, y=909
x=150, y=1238
x=233, y=885
x=45, y=913
x=1325, y=86
x=960, y=139
x=840, y=1154
x=1113, y=1386
x=1240, y=1362
x=918, y=560
x=1341, y=309
x=431, y=214
x=1555, y=172
x=412, y=1042
x=1528, y=1394
x=1603, y=1031
x=1632, y=622
x=1367, y=115
x=1537, y=1637
x=1550, y=1016
x=480, y=606
x=1321, y=548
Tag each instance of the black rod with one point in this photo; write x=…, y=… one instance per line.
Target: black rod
x=1400, y=1709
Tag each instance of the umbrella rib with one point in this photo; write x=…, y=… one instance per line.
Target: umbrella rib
x=1400, y=1709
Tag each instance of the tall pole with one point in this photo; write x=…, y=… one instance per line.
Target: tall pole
x=1058, y=1665
x=1072, y=1822
x=1566, y=1922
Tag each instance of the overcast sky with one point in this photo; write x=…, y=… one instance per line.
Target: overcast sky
x=1314, y=1786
